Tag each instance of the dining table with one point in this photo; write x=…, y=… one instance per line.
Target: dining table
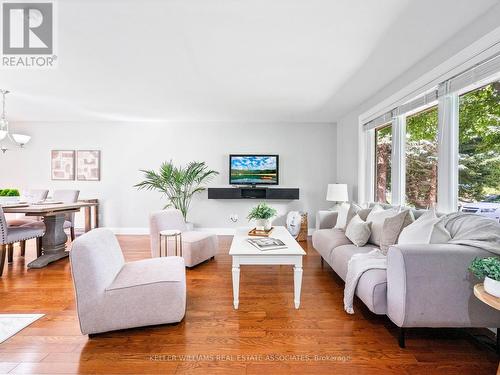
x=54, y=215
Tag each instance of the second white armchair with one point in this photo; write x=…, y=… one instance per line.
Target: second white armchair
x=197, y=247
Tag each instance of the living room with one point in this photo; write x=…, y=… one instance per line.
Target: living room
x=244, y=187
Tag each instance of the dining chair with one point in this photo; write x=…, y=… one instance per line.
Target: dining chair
x=30, y=196
x=10, y=235
x=68, y=196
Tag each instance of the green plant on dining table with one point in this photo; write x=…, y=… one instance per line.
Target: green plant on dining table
x=9, y=193
x=179, y=184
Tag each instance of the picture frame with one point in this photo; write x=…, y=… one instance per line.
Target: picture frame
x=88, y=165
x=62, y=165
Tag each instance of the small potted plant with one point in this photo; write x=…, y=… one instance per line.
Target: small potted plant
x=489, y=269
x=9, y=196
x=262, y=214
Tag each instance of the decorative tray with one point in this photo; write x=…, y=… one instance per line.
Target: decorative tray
x=260, y=233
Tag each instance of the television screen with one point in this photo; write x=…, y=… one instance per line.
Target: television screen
x=253, y=169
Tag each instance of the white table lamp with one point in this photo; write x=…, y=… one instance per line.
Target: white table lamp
x=337, y=193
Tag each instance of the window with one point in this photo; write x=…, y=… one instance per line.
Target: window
x=421, y=159
x=479, y=148
x=383, y=147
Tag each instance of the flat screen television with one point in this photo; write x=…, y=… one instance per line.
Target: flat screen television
x=253, y=169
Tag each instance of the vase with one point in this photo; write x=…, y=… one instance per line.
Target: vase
x=263, y=224
x=492, y=287
x=189, y=226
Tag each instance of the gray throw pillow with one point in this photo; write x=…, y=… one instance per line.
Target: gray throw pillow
x=392, y=229
x=358, y=231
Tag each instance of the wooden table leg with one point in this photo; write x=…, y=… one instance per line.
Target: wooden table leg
x=87, y=219
x=53, y=241
x=96, y=216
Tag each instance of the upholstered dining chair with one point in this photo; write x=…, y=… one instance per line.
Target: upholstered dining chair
x=113, y=295
x=30, y=196
x=11, y=235
x=197, y=246
x=67, y=196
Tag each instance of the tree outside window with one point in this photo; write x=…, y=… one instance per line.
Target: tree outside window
x=383, y=147
x=421, y=158
x=479, y=145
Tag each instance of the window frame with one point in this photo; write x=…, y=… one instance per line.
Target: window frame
x=448, y=147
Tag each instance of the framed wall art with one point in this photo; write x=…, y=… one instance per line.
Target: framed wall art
x=88, y=165
x=62, y=164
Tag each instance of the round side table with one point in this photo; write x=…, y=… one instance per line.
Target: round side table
x=491, y=301
x=176, y=235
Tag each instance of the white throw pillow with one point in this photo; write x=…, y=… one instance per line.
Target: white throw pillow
x=377, y=217
x=346, y=212
x=427, y=229
x=358, y=231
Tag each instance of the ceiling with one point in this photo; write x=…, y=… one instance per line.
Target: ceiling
x=229, y=60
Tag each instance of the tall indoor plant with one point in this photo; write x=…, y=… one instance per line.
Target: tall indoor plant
x=179, y=184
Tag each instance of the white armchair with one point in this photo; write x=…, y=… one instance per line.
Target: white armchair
x=113, y=295
x=197, y=247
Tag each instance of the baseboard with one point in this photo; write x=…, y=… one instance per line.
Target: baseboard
x=145, y=231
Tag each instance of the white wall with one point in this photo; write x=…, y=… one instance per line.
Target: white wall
x=348, y=125
x=307, y=161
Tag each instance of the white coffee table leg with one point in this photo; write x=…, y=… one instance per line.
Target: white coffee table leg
x=236, y=284
x=297, y=283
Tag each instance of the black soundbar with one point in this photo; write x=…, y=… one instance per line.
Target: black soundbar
x=253, y=193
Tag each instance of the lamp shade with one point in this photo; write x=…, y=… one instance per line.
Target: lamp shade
x=337, y=193
x=21, y=139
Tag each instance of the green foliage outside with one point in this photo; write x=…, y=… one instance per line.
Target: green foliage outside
x=9, y=193
x=261, y=211
x=479, y=171
x=178, y=184
x=482, y=267
x=479, y=151
x=421, y=159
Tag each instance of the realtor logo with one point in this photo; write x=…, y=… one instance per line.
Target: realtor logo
x=28, y=34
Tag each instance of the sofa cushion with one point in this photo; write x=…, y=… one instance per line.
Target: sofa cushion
x=372, y=285
x=149, y=271
x=325, y=240
x=341, y=255
x=372, y=290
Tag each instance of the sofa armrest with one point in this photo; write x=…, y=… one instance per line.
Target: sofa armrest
x=326, y=219
x=430, y=286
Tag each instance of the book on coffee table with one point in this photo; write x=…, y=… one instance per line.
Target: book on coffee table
x=268, y=243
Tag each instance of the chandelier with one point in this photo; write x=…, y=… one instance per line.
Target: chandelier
x=17, y=139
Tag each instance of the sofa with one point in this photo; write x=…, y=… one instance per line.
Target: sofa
x=423, y=285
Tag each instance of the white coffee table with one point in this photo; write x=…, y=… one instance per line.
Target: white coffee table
x=245, y=254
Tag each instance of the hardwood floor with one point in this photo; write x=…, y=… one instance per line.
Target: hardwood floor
x=265, y=336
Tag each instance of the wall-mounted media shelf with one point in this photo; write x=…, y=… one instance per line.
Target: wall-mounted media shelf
x=253, y=193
